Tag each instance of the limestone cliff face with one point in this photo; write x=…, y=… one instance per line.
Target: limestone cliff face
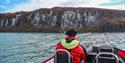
x=58, y=19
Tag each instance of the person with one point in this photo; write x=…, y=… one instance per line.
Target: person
x=70, y=42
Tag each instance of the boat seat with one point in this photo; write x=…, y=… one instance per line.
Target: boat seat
x=63, y=56
x=106, y=57
x=106, y=48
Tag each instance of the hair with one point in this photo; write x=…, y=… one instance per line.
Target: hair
x=71, y=32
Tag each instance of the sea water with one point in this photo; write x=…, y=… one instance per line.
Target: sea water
x=37, y=47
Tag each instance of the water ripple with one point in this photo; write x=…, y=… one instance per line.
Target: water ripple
x=36, y=47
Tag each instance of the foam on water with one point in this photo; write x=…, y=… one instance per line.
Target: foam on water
x=36, y=47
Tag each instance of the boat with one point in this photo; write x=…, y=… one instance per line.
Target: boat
x=94, y=54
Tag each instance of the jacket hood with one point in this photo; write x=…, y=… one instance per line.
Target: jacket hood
x=70, y=45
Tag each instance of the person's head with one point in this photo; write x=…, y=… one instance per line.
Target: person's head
x=70, y=35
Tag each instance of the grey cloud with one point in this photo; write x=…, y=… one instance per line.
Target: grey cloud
x=74, y=2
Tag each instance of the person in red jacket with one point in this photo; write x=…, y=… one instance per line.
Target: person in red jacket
x=71, y=43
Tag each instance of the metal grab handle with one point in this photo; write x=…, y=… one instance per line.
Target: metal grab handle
x=101, y=53
x=62, y=50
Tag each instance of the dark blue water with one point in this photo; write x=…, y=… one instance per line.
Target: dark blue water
x=36, y=47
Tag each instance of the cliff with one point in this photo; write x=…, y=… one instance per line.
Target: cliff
x=58, y=19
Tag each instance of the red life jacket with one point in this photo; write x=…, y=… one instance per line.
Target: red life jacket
x=77, y=53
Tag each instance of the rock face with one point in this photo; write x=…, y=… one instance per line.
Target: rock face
x=58, y=19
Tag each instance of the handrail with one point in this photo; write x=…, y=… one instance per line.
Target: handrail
x=63, y=51
x=101, y=53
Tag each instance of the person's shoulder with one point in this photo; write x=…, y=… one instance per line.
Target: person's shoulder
x=78, y=47
x=58, y=43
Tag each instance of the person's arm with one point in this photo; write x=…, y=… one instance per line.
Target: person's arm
x=83, y=53
x=83, y=56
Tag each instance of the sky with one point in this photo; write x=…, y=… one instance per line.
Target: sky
x=30, y=5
